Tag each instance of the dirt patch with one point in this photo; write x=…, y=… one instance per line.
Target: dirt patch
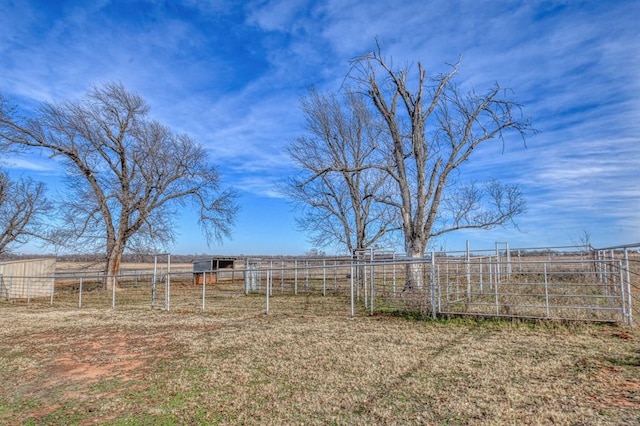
x=92, y=358
x=616, y=390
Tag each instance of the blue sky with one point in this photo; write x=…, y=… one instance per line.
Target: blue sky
x=230, y=74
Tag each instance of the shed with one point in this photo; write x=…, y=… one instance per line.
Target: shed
x=210, y=268
x=24, y=279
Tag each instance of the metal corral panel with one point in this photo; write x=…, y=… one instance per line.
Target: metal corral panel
x=24, y=279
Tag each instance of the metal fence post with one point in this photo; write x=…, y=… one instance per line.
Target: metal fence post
x=247, y=276
x=480, y=273
x=433, y=285
x=153, y=282
x=295, y=277
x=629, y=303
x=167, y=289
x=365, y=284
x=497, y=299
x=80, y=295
x=270, y=277
x=623, y=295
x=467, y=267
x=497, y=262
x=352, y=295
x=53, y=289
x=168, y=281
x=324, y=277
x=372, y=291
x=204, y=285
x=602, y=267
x=439, y=289
x=628, y=280
x=394, y=274
x=546, y=290
x=268, y=289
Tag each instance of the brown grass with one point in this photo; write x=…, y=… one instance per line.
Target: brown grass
x=307, y=363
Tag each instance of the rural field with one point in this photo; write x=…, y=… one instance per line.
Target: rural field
x=308, y=363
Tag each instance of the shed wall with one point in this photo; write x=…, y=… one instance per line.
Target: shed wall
x=24, y=279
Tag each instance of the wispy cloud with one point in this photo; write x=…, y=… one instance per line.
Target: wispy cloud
x=33, y=164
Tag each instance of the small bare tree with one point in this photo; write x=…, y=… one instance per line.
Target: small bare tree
x=583, y=239
x=434, y=128
x=23, y=209
x=336, y=187
x=129, y=176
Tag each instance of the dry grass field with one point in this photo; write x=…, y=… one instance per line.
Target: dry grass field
x=307, y=363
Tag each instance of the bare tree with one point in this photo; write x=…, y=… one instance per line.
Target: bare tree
x=336, y=187
x=583, y=239
x=23, y=208
x=434, y=128
x=129, y=176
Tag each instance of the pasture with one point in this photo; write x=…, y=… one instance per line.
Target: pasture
x=308, y=362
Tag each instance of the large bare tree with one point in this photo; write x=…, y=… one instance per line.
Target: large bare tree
x=23, y=210
x=128, y=175
x=336, y=188
x=434, y=129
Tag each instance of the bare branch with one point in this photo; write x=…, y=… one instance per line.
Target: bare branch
x=23, y=209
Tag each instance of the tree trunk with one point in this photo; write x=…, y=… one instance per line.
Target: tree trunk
x=416, y=267
x=113, y=265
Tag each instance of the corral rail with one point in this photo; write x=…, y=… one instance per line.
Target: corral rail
x=586, y=285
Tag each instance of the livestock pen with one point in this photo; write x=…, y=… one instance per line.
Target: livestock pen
x=561, y=283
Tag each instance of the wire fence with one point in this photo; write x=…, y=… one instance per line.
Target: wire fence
x=588, y=285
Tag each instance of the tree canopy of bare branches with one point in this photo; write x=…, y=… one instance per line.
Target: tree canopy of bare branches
x=433, y=129
x=128, y=175
x=23, y=208
x=337, y=188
